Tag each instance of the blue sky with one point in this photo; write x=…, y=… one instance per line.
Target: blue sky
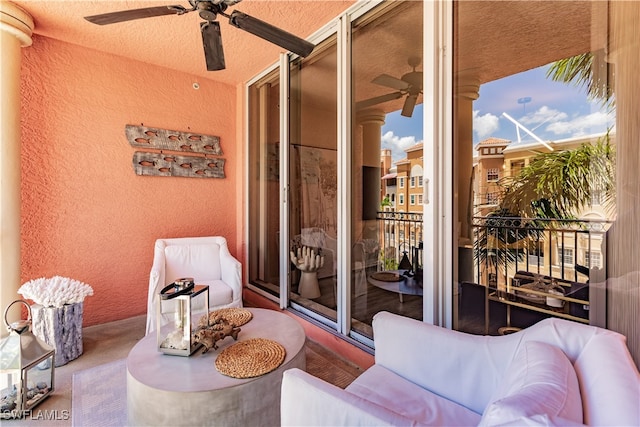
x=555, y=111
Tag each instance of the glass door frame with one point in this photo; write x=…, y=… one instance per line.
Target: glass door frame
x=438, y=253
x=438, y=186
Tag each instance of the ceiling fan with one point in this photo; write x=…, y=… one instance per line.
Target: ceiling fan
x=409, y=85
x=210, y=28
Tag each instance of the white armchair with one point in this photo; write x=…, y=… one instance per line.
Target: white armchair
x=207, y=260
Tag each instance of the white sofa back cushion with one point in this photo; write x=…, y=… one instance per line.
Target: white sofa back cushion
x=610, y=388
x=202, y=262
x=539, y=380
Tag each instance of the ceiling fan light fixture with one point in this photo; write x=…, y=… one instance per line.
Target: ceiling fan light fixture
x=270, y=33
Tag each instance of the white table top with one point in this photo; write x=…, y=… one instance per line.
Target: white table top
x=198, y=372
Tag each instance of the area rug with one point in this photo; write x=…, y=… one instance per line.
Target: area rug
x=99, y=396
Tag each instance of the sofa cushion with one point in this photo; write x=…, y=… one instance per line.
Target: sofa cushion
x=387, y=389
x=539, y=380
x=202, y=262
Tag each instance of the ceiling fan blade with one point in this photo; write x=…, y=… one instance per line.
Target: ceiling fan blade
x=390, y=81
x=128, y=15
x=212, y=42
x=377, y=100
x=409, y=104
x=270, y=33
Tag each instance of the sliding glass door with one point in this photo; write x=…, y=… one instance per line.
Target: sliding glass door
x=386, y=152
x=348, y=225
x=313, y=182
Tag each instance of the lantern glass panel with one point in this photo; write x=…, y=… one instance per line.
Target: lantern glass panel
x=176, y=337
x=9, y=386
x=39, y=381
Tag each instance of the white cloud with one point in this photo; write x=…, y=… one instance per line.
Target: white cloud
x=542, y=115
x=581, y=125
x=484, y=125
x=397, y=144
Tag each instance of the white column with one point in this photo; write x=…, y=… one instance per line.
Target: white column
x=371, y=122
x=16, y=27
x=467, y=86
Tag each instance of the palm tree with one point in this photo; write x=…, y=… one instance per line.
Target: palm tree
x=588, y=69
x=559, y=183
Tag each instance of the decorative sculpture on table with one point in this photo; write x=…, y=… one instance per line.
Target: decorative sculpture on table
x=308, y=262
x=211, y=330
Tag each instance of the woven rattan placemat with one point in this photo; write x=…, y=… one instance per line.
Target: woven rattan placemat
x=250, y=358
x=235, y=316
x=387, y=276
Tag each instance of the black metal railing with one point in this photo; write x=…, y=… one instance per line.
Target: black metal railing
x=568, y=249
x=400, y=237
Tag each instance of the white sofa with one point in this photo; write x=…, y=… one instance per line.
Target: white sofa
x=554, y=373
x=207, y=260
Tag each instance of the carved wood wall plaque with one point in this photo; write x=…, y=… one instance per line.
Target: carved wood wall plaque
x=173, y=140
x=164, y=164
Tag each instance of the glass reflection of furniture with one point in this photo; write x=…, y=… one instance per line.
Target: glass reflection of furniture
x=521, y=292
x=402, y=282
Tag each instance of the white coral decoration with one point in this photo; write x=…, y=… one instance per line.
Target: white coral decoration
x=55, y=291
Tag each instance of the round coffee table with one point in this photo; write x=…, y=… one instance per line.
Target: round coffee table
x=404, y=286
x=186, y=391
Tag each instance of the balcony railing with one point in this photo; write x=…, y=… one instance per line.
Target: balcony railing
x=400, y=236
x=568, y=250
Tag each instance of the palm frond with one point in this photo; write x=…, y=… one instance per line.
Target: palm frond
x=590, y=70
x=559, y=183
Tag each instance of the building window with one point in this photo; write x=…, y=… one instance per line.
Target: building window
x=420, y=181
x=492, y=174
x=401, y=199
x=516, y=167
x=413, y=182
x=419, y=199
x=412, y=199
x=492, y=198
x=592, y=259
x=565, y=256
x=492, y=151
x=401, y=183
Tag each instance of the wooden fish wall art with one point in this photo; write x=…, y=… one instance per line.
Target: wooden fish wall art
x=193, y=160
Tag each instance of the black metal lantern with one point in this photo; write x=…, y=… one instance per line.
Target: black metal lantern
x=176, y=338
x=26, y=368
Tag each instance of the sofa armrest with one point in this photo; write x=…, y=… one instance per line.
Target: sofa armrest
x=310, y=401
x=461, y=367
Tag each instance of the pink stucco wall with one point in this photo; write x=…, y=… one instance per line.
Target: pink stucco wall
x=85, y=214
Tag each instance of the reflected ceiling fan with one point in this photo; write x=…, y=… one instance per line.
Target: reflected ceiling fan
x=210, y=28
x=409, y=85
